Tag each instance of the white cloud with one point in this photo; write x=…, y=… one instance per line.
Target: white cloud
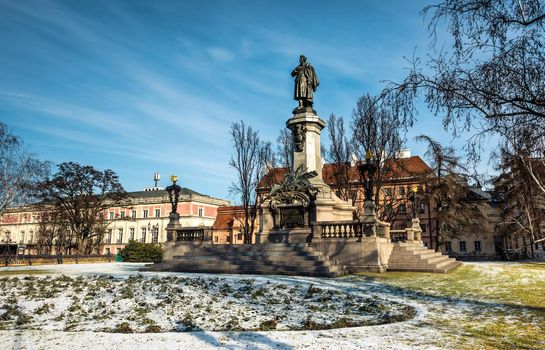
x=219, y=54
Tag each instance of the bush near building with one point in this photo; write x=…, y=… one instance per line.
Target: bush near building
x=141, y=252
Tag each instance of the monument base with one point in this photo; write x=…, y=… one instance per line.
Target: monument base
x=293, y=235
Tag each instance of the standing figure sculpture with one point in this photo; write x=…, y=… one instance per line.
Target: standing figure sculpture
x=306, y=82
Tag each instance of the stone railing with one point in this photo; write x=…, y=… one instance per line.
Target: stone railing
x=189, y=234
x=411, y=233
x=349, y=229
x=398, y=235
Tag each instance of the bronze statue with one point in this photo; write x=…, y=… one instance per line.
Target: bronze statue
x=299, y=137
x=306, y=82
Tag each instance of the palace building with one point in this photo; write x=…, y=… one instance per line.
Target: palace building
x=144, y=220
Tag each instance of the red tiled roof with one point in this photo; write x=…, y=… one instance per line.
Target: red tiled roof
x=226, y=217
x=399, y=169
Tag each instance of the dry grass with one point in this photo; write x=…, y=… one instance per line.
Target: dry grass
x=492, y=306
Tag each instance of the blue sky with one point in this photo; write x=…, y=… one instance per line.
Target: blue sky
x=145, y=86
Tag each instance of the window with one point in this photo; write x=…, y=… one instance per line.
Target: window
x=133, y=214
x=155, y=234
x=23, y=237
x=462, y=246
x=107, y=251
x=145, y=213
x=477, y=246
x=216, y=239
x=201, y=211
x=448, y=246
x=111, y=215
x=423, y=227
x=402, y=209
x=143, y=239
x=131, y=234
x=119, y=235
x=402, y=190
x=422, y=208
x=157, y=213
x=109, y=237
x=239, y=236
x=122, y=214
x=388, y=191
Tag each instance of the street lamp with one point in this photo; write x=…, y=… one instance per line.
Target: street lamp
x=367, y=171
x=174, y=218
x=413, y=198
x=153, y=229
x=174, y=193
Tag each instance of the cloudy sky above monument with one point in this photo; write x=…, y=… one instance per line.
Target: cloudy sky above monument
x=145, y=86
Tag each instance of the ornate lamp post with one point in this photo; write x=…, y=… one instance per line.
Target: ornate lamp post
x=413, y=198
x=367, y=171
x=174, y=218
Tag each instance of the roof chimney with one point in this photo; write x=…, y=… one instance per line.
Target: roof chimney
x=404, y=153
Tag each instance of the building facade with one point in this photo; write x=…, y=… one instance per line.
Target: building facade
x=143, y=219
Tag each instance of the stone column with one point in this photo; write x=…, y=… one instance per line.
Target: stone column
x=306, y=128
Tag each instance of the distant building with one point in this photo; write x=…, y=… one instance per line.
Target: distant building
x=144, y=220
x=228, y=227
x=408, y=174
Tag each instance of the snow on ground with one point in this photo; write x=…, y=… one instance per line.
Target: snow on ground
x=89, y=306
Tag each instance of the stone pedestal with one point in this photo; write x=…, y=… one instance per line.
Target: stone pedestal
x=328, y=207
x=306, y=128
x=172, y=226
x=307, y=148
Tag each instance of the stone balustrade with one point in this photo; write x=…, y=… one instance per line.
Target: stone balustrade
x=189, y=234
x=349, y=229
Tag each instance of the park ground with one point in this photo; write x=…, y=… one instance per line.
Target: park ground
x=485, y=305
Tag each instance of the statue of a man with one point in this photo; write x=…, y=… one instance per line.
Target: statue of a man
x=306, y=83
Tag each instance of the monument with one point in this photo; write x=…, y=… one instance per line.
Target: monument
x=305, y=229
x=302, y=197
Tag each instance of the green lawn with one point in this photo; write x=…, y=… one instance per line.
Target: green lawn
x=480, y=306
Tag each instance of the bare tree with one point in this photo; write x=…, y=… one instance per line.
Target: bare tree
x=81, y=194
x=492, y=79
x=284, y=149
x=339, y=155
x=523, y=201
x=19, y=170
x=54, y=234
x=252, y=158
x=458, y=213
x=377, y=135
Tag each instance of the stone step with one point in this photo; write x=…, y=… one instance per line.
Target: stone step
x=428, y=257
x=238, y=262
x=416, y=257
x=248, y=253
x=282, y=257
x=248, y=269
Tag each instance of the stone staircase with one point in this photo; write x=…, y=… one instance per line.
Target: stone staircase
x=416, y=257
x=263, y=259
